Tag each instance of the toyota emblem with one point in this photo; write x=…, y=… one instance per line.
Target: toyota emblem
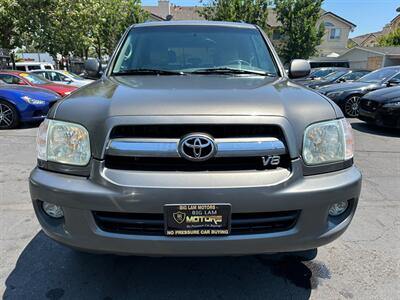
x=197, y=147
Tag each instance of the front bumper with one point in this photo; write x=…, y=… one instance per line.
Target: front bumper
x=33, y=112
x=273, y=191
x=385, y=117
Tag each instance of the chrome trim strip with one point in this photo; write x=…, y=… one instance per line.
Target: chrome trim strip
x=232, y=147
x=249, y=147
x=143, y=147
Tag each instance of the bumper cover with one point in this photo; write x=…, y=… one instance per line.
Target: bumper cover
x=79, y=196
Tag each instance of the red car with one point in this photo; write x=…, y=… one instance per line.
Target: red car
x=23, y=78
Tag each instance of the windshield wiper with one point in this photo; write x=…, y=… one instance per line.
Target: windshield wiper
x=227, y=70
x=147, y=72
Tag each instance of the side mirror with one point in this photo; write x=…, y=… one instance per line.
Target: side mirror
x=93, y=68
x=393, y=82
x=341, y=80
x=67, y=80
x=299, y=68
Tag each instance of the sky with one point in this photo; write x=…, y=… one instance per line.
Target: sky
x=368, y=15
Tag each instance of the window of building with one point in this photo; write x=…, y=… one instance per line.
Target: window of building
x=335, y=33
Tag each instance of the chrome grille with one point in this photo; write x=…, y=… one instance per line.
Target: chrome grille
x=157, y=147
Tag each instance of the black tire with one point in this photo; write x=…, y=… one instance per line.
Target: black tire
x=351, y=106
x=9, y=117
x=306, y=255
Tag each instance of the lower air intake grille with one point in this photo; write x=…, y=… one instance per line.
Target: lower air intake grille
x=153, y=224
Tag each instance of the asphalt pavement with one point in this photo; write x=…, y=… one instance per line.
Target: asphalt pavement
x=362, y=264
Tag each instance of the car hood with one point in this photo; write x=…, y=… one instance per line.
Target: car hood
x=384, y=95
x=33, y=92
x=348, y=86
x=196, y=95
x=58, y=88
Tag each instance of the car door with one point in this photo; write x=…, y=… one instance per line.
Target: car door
x=54, y=76
x=43, y=74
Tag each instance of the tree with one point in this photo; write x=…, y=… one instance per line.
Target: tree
x=390, y=39
x=9, y=35
x=249, y=11
x=68, y=27
x=299, y=19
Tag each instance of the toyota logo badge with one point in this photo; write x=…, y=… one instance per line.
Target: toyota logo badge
x=197, y=147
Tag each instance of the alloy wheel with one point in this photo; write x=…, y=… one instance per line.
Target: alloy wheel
x=6, y=116
x=352, y=106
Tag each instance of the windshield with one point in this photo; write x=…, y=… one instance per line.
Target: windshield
x=34, y=79
x=379, y=75
x=189, y=49
x=321, y=73
x=335, y=75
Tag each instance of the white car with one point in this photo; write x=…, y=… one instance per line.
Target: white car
x=63, y=77
x=27, y=66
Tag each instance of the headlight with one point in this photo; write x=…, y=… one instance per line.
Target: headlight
x=29, y=100
x=334, y=94
x=392, y=105
x=63, y=142
x=328, y=142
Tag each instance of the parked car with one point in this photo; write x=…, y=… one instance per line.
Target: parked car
x=328, y=62
x=30, y=66
x=23, y=104
x=319, y=74
x=63, y=77
x=381, y=107
x=195, y=143
x=348, y=95
x=23, y=78
x=337, y=77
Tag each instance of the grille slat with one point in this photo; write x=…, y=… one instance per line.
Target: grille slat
x=180, y=130
x=153, y=224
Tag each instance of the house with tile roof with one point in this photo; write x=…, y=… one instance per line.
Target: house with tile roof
x=372, y=39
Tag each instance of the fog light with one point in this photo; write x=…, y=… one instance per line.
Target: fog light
x=52, y=210
x=338, y=208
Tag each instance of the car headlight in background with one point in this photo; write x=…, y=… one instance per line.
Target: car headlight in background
x=328, y=142
x=334, y=94
x=63, y=142
x=30, y=100
x=392, y=104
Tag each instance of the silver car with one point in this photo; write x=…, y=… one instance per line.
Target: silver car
x=63, y=77
x=195, y=142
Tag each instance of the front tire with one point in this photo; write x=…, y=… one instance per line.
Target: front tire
x=8, y=115
x=352, y=106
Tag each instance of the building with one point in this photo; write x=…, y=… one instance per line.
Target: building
x=166, y=11
x=372, y=39
x=372, y=58
x=337, y=30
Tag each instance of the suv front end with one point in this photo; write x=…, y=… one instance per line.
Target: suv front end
x=270, y=162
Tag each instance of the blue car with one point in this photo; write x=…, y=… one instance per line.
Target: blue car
x=23, y=104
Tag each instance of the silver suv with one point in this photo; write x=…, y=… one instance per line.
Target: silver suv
x=194, y=142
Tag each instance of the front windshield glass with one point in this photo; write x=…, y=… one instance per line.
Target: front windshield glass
x=34, y=79
x=335, y=75
x=321, y=73
x=378, y=76
x=193, y=48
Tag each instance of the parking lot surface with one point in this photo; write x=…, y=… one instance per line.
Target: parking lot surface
x=362, y=264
